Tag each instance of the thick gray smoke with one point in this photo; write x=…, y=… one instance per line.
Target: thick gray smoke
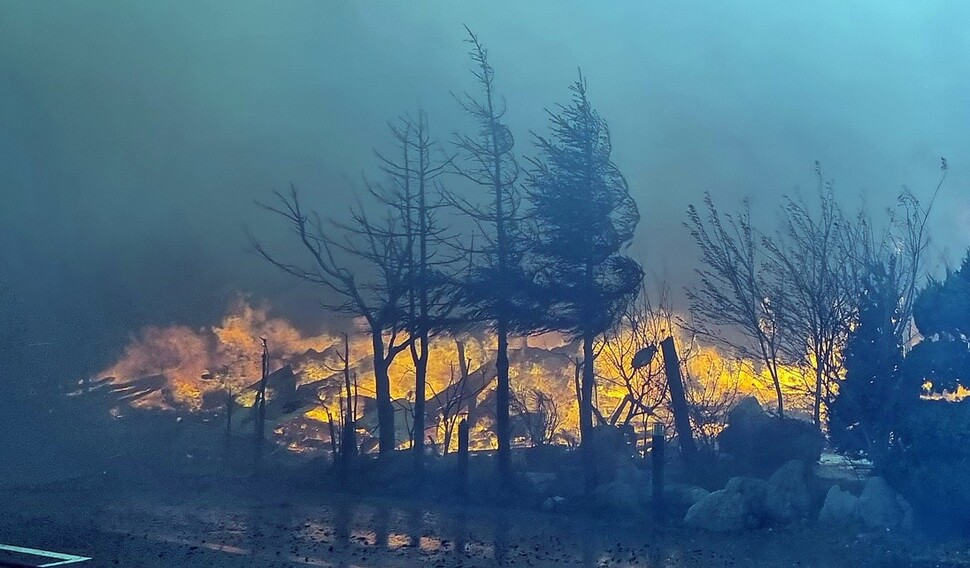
x=135, y=137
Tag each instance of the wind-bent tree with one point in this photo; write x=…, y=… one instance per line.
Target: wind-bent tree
x=486, y=160
x=736, y=303
x=376, y=249
x=583, y=218
x=862, y=412
x=928, y=456
x=808, y=259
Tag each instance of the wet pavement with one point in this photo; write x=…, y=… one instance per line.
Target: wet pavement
x=219, y=527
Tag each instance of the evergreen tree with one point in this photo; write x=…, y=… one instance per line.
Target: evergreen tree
x=943, y=307
x=861, y=414
x=942, y=316
x=929, y=457
x=583, y=217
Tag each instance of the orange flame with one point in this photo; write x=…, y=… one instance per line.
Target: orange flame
x=210, y=362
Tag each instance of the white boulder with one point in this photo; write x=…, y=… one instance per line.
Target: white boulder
x=839, y=508
x=720, y=511
x=787, y=496
x=879, y=507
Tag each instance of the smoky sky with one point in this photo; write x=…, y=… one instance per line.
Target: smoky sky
x=136, y=136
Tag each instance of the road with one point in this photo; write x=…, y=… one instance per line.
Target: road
x=219, y=523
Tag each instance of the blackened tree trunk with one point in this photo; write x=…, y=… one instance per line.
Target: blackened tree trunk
x=502, y=424
x=420, y=398
x=348, y=439
x=463, y=459
x=586, y=413
x=259, y=424
x=382, y=385
x=678, y=400
x=381, y=250
x=414, y=196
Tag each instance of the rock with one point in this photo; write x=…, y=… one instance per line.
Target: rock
x=538, y=483
x=544, y=457
x=720, y=511
x=683, y=495
x=611, y=450
x=753, y=491
x=638, y=480
x=740, y=505
x=679, y=497
x=747, y=411
x=616, y=496
x=633, y=476
x=839, y=508
x=553, y=504
x=879, y=507
x=787, y=496
x=760, y=442
x=908, y=514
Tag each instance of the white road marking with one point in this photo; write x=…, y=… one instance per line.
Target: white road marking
x=61, y=558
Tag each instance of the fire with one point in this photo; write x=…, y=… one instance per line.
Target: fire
x=956, y=395
x=197, y=370
x=197, y=363
x=178, y=353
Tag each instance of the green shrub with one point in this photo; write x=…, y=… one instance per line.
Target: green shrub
x=929, y=463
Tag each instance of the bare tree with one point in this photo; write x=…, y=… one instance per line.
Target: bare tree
x=736, y=303
x=341, y=427
x=629, y=359
x=416, y=196
x=640, y=330
x=539, y=414
x=382, y=251
x=809, y=262
x=795, y=296
x=348, y=410
x=259, y=407
x=458, y=396
x=712, y=390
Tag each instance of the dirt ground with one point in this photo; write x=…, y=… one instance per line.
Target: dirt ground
x=217, y=523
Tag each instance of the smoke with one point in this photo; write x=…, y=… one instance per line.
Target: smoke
x=135, y=137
